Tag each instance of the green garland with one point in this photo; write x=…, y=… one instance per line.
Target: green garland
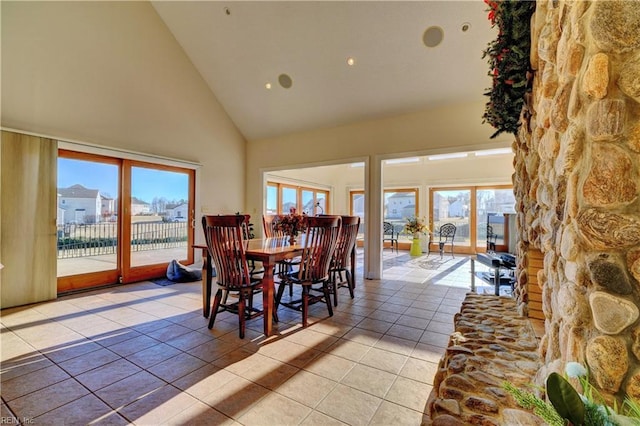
x=509, y=63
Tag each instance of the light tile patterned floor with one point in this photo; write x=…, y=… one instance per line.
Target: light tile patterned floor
x=142, y=354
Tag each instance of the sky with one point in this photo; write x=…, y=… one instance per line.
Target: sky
x=146, y=183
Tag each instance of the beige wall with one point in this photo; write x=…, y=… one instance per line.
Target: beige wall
x=111, y=74
x=446, y=129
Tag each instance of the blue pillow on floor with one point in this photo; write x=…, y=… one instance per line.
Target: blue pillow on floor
x=179, y=273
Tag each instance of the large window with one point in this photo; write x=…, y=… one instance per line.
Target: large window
x=492, y=204
x=120, y=220
x=281, y=198
x=471, y=209
x=400, y=204
x=453, y=206
x=356, y=208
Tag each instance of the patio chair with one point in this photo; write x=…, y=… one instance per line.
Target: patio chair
x=491, y=239
x=341, y=261
x=319, y=246
x=389, y=234
x=446, y=234
x=226, y=246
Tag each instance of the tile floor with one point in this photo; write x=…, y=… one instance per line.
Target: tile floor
x=142, y=354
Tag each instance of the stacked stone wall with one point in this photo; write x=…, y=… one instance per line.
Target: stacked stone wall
x=577, y=185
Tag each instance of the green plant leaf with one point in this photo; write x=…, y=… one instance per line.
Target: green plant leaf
x=565, y=399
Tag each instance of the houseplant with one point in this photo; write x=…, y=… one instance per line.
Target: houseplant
x=567, y=406
x=291, y=224
x=508, y=57
x=416, y=226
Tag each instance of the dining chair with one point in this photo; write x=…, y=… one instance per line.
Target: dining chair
x=226, y=246
x=269, y=225
x=389, y=234
x=341, y=261
x=247, y=234
x=319, y=245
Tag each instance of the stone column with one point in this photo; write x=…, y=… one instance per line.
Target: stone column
x=577, y=182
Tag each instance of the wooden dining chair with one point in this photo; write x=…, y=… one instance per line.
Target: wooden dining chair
x=269, y=225
x=226, y=246
x=341, y=261
x=247, y=234
x=319, y=246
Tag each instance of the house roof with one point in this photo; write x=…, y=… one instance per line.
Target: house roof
x=138, y=201
x=78, y=191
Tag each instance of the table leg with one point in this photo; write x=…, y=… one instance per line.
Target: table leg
x=267, y=297
x=473, y=275
x=496, y=280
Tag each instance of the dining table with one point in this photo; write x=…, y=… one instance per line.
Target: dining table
x=268, y=251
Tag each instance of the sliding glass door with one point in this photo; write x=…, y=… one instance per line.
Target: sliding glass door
x=105, y=201
x=472, y=210
x=87, y=221
x=160, y=218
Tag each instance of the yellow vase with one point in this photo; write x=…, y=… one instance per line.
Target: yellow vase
x=416, y=250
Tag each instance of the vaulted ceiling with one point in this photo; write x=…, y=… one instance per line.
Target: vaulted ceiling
x=241, y=47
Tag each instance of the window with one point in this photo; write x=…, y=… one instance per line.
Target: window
x=471, y=209
x=281, y=198
x=400, y=204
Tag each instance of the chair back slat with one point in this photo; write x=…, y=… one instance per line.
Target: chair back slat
x=346, y=242
x=224, y=237
x=268, y=224
x=320, y=244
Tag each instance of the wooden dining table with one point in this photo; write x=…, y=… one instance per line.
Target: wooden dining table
x=268, y=251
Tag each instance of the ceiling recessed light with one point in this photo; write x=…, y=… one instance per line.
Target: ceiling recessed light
x=465, y=27
x=267, y=86
x=351, y=61
x=433, y=36
x=285, y=81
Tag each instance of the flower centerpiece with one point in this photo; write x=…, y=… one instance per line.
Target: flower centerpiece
x=291, y=224
x=416, y=226
x=567, y=406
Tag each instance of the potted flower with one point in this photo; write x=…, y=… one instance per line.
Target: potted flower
x=416, y=226
x=291, y=224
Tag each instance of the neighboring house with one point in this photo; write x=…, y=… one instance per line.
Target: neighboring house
x=440, y=208
x=178, y=212
x=139, y=207
x=81, y=205
x=397, y=204
x=60, y=213
x=108, y=208
x=457, y=209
